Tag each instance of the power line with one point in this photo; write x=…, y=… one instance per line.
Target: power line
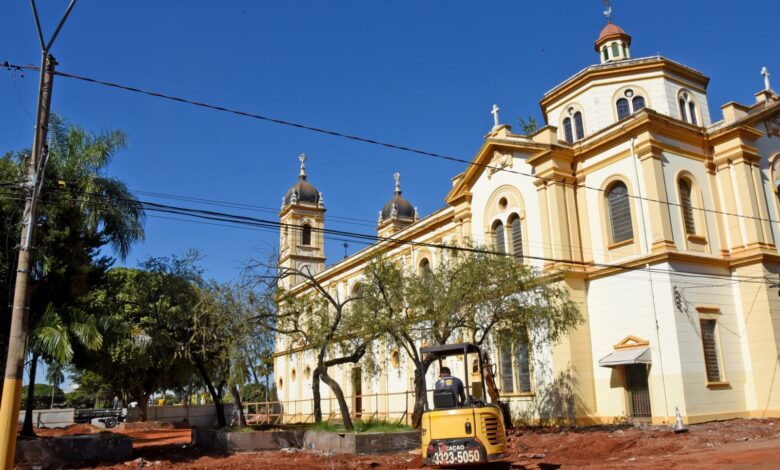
x=221, y=218
x=369, y=239
x=367, y=140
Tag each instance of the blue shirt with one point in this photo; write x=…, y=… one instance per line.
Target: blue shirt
x=449, y=382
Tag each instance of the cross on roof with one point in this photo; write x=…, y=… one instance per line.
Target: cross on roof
x=302, y=158
x=765, y=73
x=494, y=112
x=608, y=11
x=397, y=177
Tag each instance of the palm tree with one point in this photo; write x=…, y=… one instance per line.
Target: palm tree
x=84, y=210
x=55, y=377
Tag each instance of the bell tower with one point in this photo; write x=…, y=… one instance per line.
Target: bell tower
x=302, y=220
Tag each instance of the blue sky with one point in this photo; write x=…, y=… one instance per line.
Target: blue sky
x=418, y=73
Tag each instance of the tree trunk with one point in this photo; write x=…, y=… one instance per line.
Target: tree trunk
x=420, y=395
x=29, y=406
x=340, y=397
x=215, y=396
x=143, y=405
x=237, y=402
x=315, y=391
x=53, y=389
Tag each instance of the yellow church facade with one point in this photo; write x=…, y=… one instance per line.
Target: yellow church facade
x=663, y=225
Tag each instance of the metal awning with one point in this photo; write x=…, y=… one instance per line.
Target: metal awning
x=624, y=357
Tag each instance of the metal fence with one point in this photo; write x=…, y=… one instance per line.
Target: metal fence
x=394, y=406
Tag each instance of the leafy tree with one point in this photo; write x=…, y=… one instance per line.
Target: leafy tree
x=81, y=211
x=317, y=318
x=471, y=293
x=55, y=376
x=139, y=356
x=42, y=395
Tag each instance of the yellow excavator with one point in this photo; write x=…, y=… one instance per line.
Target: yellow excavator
x=471, y=432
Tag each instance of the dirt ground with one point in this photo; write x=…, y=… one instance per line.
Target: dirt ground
x=728, y=444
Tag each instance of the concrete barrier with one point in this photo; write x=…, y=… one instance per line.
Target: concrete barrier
x=323, y=441
x=73, y=451
x=195, y=415
x=228, y=442
x=361, y=443
x=56, y=418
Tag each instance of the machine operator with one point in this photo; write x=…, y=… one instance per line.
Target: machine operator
x=448, y=382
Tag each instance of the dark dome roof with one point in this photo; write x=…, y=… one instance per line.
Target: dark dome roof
x=404, y=210
x=305, y=191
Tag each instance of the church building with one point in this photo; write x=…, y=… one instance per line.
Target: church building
x=663, y=225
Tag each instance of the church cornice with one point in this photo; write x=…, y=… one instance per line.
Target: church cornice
x=621, y=68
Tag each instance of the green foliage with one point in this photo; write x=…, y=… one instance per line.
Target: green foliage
x=92, y=391
x=42, y=396
x=80, y=211
x=528, y=126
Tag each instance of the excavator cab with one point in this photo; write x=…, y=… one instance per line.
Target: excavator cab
x=467, y=433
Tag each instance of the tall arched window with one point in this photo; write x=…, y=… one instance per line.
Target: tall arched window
x=306, y=235
x=686, y=206
x=638, y=102
x=605, y=53
x=615, y=49
x=567, y=132
x=619, y=213
x=578, y=127
x=623, y=109
x=425, y=267
x=517, y=237
x=688, y=108
x=498, y=236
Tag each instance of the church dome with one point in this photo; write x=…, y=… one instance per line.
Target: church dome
x=302, y=191
x=612, y=31
x=397, y=206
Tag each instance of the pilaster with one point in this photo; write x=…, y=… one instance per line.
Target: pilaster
x=651, y=159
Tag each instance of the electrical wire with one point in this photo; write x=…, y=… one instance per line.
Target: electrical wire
x=367, y=140
x=222, y=218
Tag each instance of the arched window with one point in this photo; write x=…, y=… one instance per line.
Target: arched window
x=498, y=236
x=306, y=235
x=619, y=213
x=688, y=108
x=686, y=206
x=623, y=109
x=638, y=102
x=615, y=49
x=578, y=127
x=605, y=53
x=517, y=237
x=629, y=103
x=692, y=110
x=567, y=130
x=425, y=266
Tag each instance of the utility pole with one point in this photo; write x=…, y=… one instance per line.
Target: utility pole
x=17, y=343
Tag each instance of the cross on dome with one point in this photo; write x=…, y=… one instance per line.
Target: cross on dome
x=302, y=158
x=397, y=177
x=608, y=11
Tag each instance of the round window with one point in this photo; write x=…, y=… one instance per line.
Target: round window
x=502, y=203
x=395, y=359
x=629, y=93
